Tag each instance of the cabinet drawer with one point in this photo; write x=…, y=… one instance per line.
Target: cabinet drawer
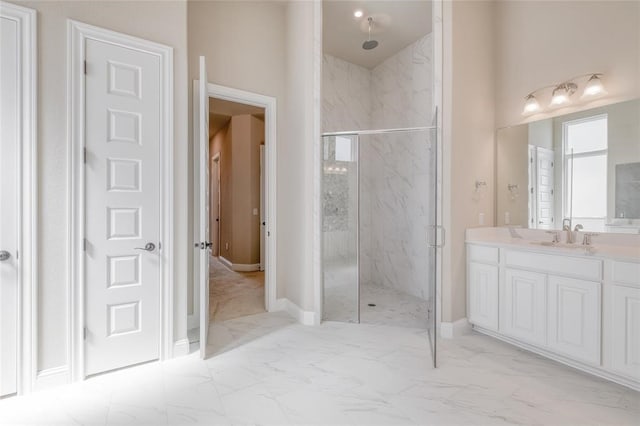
x=482, y=254
x=589, y=269
x=626, y=272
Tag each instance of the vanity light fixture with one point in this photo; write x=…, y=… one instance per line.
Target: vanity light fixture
x=531, y=104
x=594, y=87
x=358, y=13
x=562, y=92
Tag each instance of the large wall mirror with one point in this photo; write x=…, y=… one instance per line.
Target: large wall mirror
x=583, y=166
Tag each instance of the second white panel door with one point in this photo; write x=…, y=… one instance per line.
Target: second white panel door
x=122, y=224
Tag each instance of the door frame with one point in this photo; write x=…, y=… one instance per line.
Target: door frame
x=270, y=106
x=77, y=34
x=216, y=159
x=27, y=309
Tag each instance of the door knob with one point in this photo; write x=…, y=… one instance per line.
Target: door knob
x=206, y=245
x=147, y=247
x=4, y=255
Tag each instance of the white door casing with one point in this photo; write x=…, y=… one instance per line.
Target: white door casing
x=18, y=198
x=121, y=112
x=203, y=111
x=270, y=106
x=262, y=212
x=215, y=204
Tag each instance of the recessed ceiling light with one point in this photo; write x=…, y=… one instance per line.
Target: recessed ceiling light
x=358, y=14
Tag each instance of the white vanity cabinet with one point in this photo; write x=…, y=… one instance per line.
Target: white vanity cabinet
x=574, y=318
x=523, y=305
x=623, y=319
x=578, y=309
x=482, y=286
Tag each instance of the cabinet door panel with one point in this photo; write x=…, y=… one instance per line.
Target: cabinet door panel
x=625, y=330
x=574, y=318
x=483, y=295
x=523, y=303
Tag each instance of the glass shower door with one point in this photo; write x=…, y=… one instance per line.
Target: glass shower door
x=340, y=232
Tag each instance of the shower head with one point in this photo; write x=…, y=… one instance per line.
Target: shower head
x=370, y=44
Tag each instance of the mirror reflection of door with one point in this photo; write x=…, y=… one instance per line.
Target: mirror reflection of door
x=215, y=205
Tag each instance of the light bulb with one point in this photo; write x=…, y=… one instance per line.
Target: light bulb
x=358, y=14
x=562, y=93
x=531, y=105
x=594, y=87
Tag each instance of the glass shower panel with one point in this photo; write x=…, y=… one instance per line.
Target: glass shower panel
x=340, y=228
x=396, y=213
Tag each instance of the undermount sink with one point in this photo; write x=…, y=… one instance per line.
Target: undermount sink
x=560, y=245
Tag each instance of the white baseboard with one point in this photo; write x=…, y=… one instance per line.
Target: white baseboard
x=303, y=317
x=52, y=377
x=451, y=330
x=181, y=348
x=239, y=267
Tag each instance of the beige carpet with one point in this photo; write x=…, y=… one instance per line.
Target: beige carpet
x=234, y=294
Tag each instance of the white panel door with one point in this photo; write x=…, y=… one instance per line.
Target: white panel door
x=483, y=295
x=545, y=185
x=9, y=201
x=204, y=206
x=625, y=330
x=122, y=224
x=523, y=302
x=574, y=318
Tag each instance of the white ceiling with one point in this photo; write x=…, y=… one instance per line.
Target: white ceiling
x=221, y=111
x=396, y=24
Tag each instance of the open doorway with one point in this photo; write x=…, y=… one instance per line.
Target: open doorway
x=236, y=171
x=236, y=133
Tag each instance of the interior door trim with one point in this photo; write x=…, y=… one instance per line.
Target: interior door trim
x=26, y=20
x=77, y=34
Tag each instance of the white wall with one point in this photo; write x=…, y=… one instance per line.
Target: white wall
x=297, y=235
x=495, y=53
x=267, y=47
x=244, y=47
x=540, y=43
x=468, y=138
x=162, y=22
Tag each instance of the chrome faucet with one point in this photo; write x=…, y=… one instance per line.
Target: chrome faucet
x=586, y=241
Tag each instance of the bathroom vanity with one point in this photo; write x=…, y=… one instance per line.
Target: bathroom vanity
x=576, y=304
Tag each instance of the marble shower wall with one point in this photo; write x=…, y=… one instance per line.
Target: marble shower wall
x=394, y=169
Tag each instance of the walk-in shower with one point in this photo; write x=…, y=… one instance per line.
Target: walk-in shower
x=379, y=206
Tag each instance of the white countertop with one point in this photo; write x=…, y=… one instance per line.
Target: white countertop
x=625, y=247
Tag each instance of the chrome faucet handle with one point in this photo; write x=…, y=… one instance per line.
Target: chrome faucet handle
x=586, y=240
x=578, y=227
x=556, y=236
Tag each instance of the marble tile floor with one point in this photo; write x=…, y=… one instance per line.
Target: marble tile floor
x=392, y=307
x=278, y=372
x=234, y=294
